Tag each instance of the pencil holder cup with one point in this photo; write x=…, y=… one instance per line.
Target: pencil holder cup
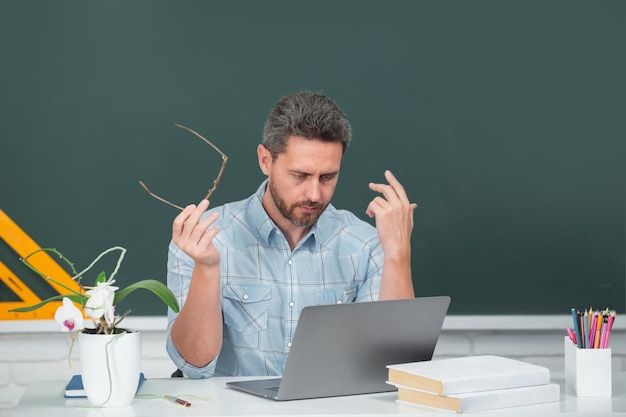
x=587, y=371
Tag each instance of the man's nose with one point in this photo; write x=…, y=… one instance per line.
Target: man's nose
x=313, y=192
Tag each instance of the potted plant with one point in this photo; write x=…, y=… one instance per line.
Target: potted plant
x=110, y=355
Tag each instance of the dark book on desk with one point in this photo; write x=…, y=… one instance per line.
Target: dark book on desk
x=75, y=389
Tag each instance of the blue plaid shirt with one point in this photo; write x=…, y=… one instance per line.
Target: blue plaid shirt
x=265, y=285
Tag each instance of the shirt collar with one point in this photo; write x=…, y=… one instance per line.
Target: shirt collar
x=258, y=215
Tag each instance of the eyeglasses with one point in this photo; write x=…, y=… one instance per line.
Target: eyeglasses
x=215, y=182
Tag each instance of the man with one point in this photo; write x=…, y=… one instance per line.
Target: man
x=242, y=272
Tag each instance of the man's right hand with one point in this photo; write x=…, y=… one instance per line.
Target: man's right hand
x=195, y=237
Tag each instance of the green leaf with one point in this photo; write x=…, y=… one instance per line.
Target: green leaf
x=102, y=277
x=74, y=297
x=157, y=287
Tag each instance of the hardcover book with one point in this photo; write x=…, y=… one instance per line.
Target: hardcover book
x=482, y=400
x=467, y=374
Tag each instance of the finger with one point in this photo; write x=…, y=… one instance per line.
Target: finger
x=375, y=206
x=179, y=221
x=398, y=188
x=392, y=192
x=208, y=235
x=386, y=190
x=202, y=228
x=195, y=216
x=190, y=222
x=199, y=211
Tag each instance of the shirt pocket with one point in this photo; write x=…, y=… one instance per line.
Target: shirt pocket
x=338, y=295
x=246, y=307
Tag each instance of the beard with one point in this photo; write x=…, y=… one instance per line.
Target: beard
x=289, y=212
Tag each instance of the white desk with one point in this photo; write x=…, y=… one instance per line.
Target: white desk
x=46, y=399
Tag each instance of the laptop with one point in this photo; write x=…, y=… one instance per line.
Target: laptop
x=344, y=349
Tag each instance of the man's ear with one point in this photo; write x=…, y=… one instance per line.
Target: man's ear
x=265, y=159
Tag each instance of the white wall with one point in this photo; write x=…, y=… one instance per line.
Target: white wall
x=37, y=351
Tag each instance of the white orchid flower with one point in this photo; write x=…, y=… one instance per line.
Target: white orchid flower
x=109, y=316
x=69, y=316
x=100, y=300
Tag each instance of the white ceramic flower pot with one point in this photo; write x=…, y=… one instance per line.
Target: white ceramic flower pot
x=110, y=367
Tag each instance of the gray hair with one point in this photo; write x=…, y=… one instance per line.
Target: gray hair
x=309, y=115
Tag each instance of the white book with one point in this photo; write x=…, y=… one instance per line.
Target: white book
x=467, y=374
x=482, y=400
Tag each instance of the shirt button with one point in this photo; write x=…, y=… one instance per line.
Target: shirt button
x=290, y=262
x=245, y=296
x=289, y=344
x=291, y=304
x=339, y=301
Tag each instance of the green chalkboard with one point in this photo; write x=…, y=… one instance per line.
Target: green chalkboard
x=503, y=119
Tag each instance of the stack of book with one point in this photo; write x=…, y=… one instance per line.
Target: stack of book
x=473, y=383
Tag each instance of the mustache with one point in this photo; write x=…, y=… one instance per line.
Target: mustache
x=309, y=204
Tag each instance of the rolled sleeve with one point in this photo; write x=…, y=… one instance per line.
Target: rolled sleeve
x=188, y=369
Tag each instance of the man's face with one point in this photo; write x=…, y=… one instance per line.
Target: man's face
x=302, y=180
